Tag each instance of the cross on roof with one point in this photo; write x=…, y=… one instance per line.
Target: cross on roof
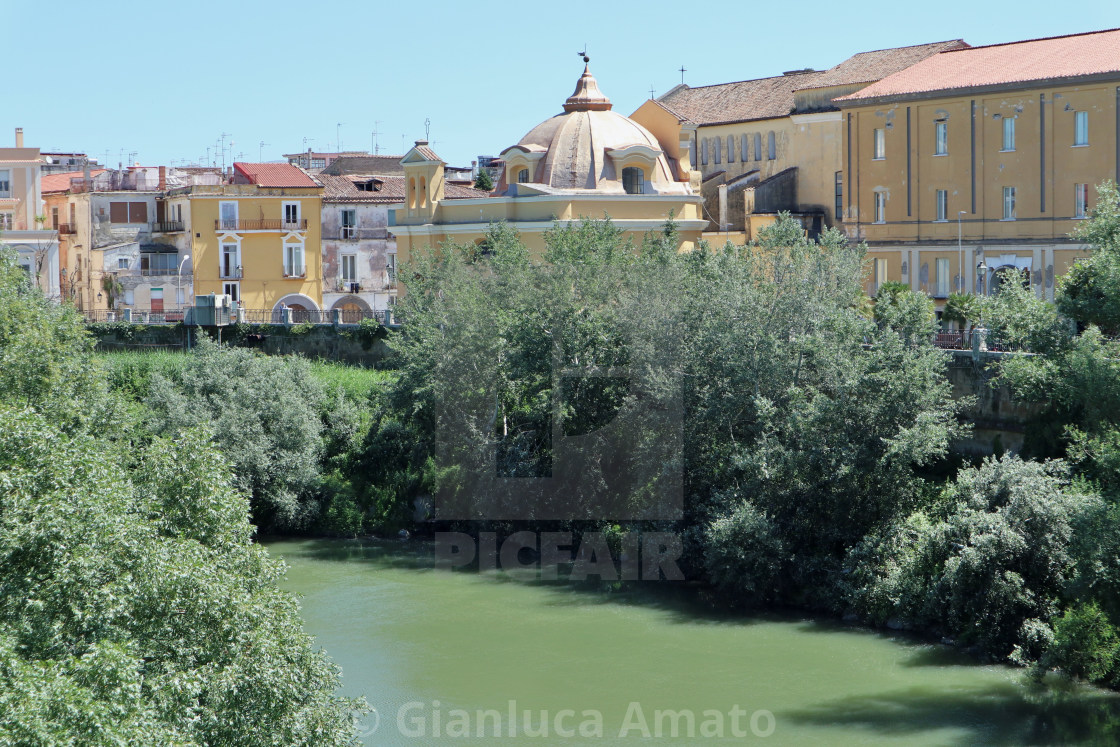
x=683, y=71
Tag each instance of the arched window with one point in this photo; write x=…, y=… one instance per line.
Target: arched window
x=771, y=146
x=692, y=151
x=704, y=152
x=743, y=148
x=523, y=176
x=633, y=180
x=412, y=192
x=717, y=149
x=423, y=192
x=757, y=147
x=731, y=149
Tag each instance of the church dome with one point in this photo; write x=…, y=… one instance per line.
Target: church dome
x=588, y=147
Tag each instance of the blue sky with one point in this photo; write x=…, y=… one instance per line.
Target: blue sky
x=166, y=80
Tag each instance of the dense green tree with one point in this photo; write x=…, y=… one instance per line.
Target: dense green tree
x=483, y=180
x=907, y=312
x=264, y=413
x=1090, y=291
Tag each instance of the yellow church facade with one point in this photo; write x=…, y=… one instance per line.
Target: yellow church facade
x=587, y=162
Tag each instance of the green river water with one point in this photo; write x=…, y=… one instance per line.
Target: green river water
x=432, y=651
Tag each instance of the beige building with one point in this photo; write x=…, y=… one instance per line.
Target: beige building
x=582, y=163
x=23, y=225
x=771, y=144
x=982, y=155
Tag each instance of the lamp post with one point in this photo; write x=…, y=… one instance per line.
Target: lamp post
x=179, y=281
x=960, y=255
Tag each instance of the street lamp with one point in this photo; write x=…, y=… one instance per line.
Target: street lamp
x=982, y=272
x=960, y=255
x=179, y=281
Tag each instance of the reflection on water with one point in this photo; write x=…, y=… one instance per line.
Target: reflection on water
x=439, y=652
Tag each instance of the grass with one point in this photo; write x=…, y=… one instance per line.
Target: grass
x=129, y=372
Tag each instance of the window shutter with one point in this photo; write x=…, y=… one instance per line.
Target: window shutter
x=137, y=212
x=118, y=212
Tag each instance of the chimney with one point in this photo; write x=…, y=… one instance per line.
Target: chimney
x=162, y=178
x=19, y=137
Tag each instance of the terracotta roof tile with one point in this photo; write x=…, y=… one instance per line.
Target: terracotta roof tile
x=275, y=175
x=867, y=67
x=764, y=98
x=61, y=182
x=1093, y=53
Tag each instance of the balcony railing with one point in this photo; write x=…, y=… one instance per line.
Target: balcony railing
x=262, y=224
x=67, y=229
x=295, y=271
x=230, y=273
x=354, y=233
x=170, y=226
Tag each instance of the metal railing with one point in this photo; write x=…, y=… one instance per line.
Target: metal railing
x=354, y=233
x=245, y=316
x=262, y=224
x=228, y=274
x=169, y=226
x=67, y=229
x=965, y=339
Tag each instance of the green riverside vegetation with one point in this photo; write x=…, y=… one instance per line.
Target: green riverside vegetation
x=813, y=456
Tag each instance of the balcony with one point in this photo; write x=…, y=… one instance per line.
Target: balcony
x=67, y=229
x=230, y=273
x=353, y=233
x=262, y=224
x=171, y=226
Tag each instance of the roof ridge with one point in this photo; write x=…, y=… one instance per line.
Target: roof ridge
x=748, y=80
x=1028, y=41
x=894, y=49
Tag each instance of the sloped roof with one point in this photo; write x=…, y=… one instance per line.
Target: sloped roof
x=377, y=165
x=1078, y=55
x=61, y=182
x=867, y=67
x=764, y=98
x=390, y=189
x=275, y=175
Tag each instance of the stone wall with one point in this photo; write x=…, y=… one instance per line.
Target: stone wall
x=353, y=344
x=999, y=421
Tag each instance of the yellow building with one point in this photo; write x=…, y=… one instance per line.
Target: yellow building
x=982, y=155
x=771, y=144
x=24, y=227
x=257, y=238
x=583, y=163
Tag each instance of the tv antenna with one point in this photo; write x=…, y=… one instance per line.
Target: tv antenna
x=260, y=150
x=338, y=137
x=651, y=90
x=374, y=134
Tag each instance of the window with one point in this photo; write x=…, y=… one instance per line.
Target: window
x=731, y=149
x=54, y=218
x=880, y=273
x=157, y=299
x=349, y=267
x=391, y=269
x=158, y=263
x=523, y=176
x=1009, y=203
x=839, y=212
x=412, y=193
x=129, y=297
x=122, y=263
x=228, y=213
x=717, y=150
x=6, y=221
x=1081, y=128
x=231, y=261
x=73, y=217
x=757, y=147
x=1008, y=133
x=128, y=212
x=349, y=221
x=941, y=267
x=633, y=180
x=743, y=149
x=692, y=151
x=1080, y=200
x=771, y=146
x=940, y=138
x=291, y=214
x=318, y=163
x=5, y=183
x=879, y=151
x=293, y=260
x=704, y=152
x=233, y=290
x=880, y=207
x=942, y=204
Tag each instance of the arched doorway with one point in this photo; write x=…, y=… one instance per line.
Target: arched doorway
x=353, y=308
x=304, y=309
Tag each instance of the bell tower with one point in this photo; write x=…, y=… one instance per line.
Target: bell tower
x=424, y=183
